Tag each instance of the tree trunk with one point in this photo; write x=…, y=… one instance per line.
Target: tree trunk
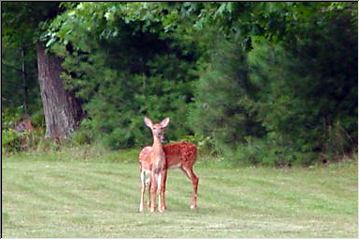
x=62, y=110
x=25, y=85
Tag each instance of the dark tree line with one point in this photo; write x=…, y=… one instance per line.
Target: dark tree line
x=271, y=83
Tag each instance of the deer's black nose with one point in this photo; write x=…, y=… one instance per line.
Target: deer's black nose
x=162, y=139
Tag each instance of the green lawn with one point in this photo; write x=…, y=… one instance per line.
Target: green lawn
x=86, y=192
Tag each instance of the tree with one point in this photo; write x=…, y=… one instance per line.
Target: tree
x=271, y=83
x=62, y=110
x=225, y=108
x=122, y=72
x=23, y=23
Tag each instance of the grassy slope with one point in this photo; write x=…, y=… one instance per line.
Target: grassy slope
x=92, y=193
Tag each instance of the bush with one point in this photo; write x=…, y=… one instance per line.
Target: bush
x=13, y=141
x=265, y=152
x=10, y=141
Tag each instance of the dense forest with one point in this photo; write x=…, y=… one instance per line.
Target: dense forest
x=254, y=83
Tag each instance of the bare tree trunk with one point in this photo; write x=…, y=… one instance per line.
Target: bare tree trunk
x=25, y=85
x=62, y=110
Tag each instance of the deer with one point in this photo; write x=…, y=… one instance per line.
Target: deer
x=24, y=125
x=180, y=155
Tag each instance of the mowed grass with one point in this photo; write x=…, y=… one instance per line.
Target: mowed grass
x=86, y=192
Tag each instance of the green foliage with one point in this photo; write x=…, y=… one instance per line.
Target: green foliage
x=13, y=92
x=80, y=137
x=10, y=141
x=38, y=119
x=21, y=22
x=337, y=142
x=21, y=28
x=269, y=152
x=84, y=135
x=123, y=79
x=307, y=90
x=13, y=141
x=259, y=83
x=291, y=93
x=225, y=109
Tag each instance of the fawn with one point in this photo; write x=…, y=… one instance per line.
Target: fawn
x=157, y=159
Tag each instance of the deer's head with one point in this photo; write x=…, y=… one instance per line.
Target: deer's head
x=157, y=129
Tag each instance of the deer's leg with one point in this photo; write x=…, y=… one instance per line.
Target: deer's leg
x=195, y=181
x=161, y=190
x=153, y=190
x=162, y=187
x=143, y=185
x=165, y=176
x=148, y=183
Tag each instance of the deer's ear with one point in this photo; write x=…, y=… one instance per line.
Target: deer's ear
x=165, y=122
x=148, y=122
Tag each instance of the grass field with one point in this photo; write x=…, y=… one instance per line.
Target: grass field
x=85, y=192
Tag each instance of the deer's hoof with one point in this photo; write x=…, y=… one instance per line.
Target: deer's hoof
x=193, y=206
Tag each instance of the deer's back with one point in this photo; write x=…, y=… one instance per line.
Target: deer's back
x=182, y=153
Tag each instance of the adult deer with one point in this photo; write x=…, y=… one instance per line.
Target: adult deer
x=181, y=155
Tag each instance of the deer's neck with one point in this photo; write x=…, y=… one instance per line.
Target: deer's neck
x=157, y=146
x=158, y=157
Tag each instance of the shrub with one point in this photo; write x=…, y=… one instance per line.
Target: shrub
x=14, y=141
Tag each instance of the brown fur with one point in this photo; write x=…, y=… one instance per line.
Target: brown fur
x=182, y=155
